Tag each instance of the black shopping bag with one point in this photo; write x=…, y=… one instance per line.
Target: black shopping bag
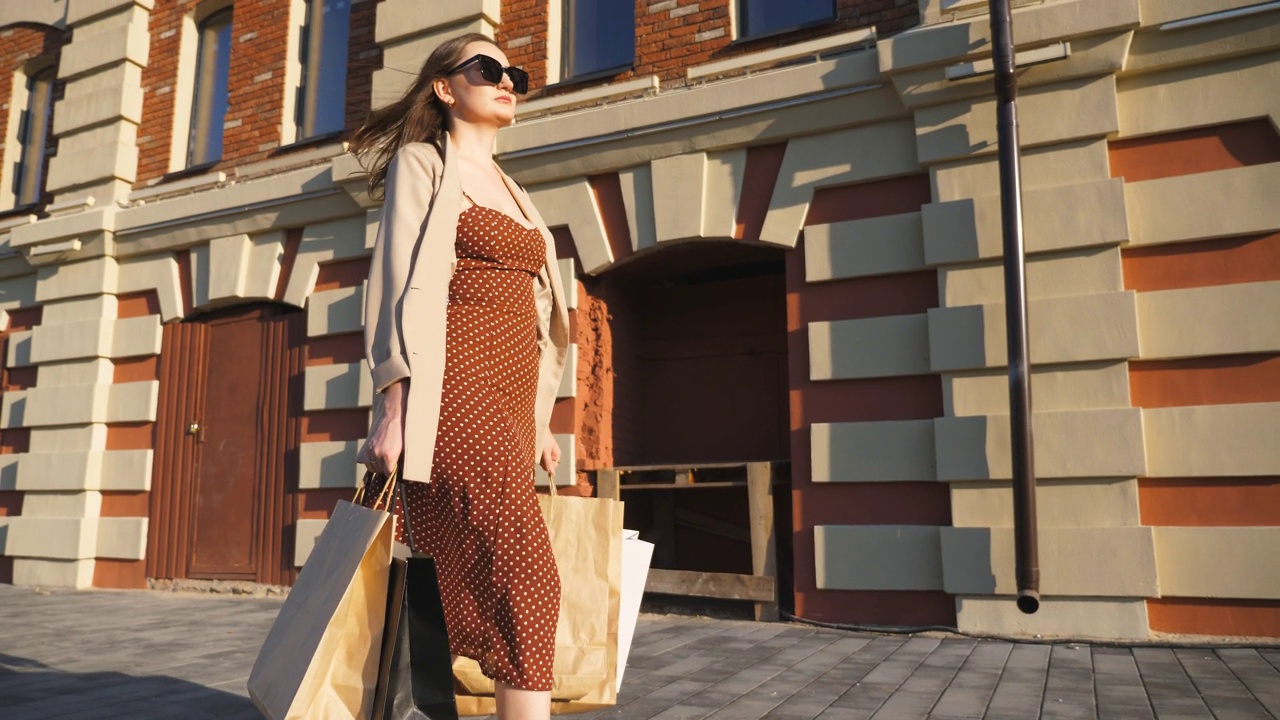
x=415, y=671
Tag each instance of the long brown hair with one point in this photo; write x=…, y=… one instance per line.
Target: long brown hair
x=418, y=116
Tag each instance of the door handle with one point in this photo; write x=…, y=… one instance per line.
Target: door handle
x=197, y=430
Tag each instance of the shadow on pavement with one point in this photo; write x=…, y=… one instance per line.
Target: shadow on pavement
x=31, y=690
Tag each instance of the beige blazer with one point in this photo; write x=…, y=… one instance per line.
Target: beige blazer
x=408, y=295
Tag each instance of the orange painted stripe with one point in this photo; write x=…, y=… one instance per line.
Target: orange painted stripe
x=136, y=369
x=877, y=198
x=10, y=503
x=21, y=378
x=130, y=436
x=15, y=440
x=334, y=425
x=877, y=607
x=334, y=349
x=126, y=504
x=759, y=177
x=880, y=296
x=883, y=503
x=120, y=574
x=342, y=274
x=564, y=416
x=25, y=318
x=1210, y=502
x=1216, y=380
x=917, y=397
x=139, y=304
x=607, y=189
x=319, y=504
x=1188, y=152
x=1231, y=618
x=1207, y=263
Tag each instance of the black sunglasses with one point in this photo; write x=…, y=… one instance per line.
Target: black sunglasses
x=491, y=70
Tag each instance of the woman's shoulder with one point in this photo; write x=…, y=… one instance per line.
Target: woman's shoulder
x=422, y=153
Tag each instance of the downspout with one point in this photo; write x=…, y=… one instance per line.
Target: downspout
x=1026, y=541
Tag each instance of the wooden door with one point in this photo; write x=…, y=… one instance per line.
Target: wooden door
x=227, y=421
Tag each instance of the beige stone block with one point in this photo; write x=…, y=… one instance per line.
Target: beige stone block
x=126, y=470
x=679, y=183
x=63, y=405
x=306, y=532
x=859, y=248
x=1082, y=386
x=30, y=572
x=868, y=152
x=110, y=95
x=1199, y=95
x=237, y=268
x=342, y=385
x=89, y=225
x=725, y=173
x=1058, y=617
x=1219, y=320
x=93, y=308
x=19, y=350
x=572, y=204
x=877, y=557
x=60, y=538
x=1096, y=502
x=1225, y=203
x=401, y=18
x=1219, y=562
x=1079, y=444
x=323, y=242
x=637, y=199
x=1086, y=271
x=1060, y=330
x=970, y=229
x=122, y=538
x=372, y=219
x=870, y=347
x=96, y=338
x=569, y=278
x=14, y=413
x=18, y=292
x=569, y=379
x=873, y=451
x=1062, y=165
x=330, y=312
x=1213, y=440
x=4, y=535
x=69, y=439
x=82, y=11
x=77, y=373
x=159, y=273
x=107, y=40
x=136, y=336
x=1076, y=562
x=1204, y=44
x=329, y=465
x=567, y=470
x=968, y=127
x=8, y=479
x=77, y=279
x=95, y=155
x=403, y=58
x=132, y=402
x=49, y=13
x=112, y=470
x=69, y=504
x=1158, y=12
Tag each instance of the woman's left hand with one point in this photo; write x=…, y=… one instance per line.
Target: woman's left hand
x=550, y=459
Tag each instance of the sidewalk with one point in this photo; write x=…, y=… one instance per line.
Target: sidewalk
x=151, y=656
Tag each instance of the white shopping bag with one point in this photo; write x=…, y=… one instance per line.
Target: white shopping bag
x=636, y=557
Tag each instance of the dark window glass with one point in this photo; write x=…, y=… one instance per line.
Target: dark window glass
x=33, y=133
x=209, y=110
x=323, y=95
x=761, y=17
x=601, y=35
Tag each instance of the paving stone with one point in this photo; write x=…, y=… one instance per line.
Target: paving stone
x=1069, y=691
x=1020, y=691
x=970, y=691
x=1259, y=676
x=1221, y=689
x=1173, y=697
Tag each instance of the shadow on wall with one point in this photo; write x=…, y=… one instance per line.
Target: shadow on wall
x=31, y=690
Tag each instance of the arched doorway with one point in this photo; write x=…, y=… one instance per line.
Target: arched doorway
x=227, y=422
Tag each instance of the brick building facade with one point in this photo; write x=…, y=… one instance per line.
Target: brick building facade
x=781, y=224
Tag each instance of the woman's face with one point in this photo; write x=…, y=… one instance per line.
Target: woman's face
x=473, y=99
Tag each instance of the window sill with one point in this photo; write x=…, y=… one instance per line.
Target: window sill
x=314, y=141
x=589, y=77
x=748, y=39
x=588, y=95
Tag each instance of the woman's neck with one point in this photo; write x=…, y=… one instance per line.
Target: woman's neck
x=474, y=142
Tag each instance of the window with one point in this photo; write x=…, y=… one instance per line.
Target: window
x=322, y=94
x=33, y=133
x=601, y=36
x=209, y=108
x=765, y=17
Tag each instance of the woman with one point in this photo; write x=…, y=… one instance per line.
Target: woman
x=466, y=333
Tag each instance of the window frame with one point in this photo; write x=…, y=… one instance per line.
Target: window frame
x=21, y=191
x=197, y=154
x=740, y=24
x=566, y=75
x=305, y=89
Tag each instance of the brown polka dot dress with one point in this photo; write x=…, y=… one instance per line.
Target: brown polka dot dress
x=479, y=516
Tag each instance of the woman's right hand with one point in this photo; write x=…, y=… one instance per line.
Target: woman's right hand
x=382, y=449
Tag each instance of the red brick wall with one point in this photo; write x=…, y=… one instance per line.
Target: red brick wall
x=18, y=44
x=259, y=47
x=672, y=35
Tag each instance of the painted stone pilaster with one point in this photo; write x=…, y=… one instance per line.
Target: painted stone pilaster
x=408, y=30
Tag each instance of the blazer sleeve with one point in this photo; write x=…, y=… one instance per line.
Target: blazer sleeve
x=410, y=187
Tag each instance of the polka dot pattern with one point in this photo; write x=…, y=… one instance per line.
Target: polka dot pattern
x=479, y=517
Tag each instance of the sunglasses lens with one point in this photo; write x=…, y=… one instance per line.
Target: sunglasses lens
x=490, y=69
x=519, y=80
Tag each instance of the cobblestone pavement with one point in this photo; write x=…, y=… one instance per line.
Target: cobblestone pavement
x=155, y=655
